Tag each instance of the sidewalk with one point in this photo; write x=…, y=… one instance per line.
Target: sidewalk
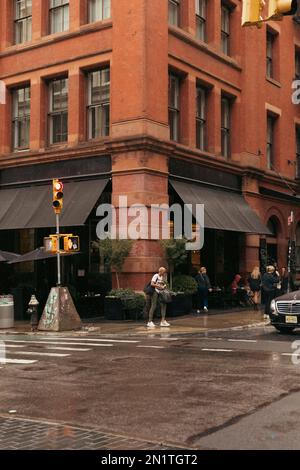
x=187, y=324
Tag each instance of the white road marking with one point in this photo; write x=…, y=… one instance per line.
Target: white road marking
x=17, y=361
x=67, y=349
x=31, y=353
x=287, y=354
x=216, y=350
x=58, y=342
x=169, y=339
x=92, y=339
x=243, y=340
x=14, y=345
x=153, y=347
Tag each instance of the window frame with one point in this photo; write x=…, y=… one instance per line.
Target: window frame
x=62, y=112
x=226, y=126
x=174, y=107
x=271, y=121
x=21, y=20
x=102, y=8
x=101, y=104
x=201, y=118
x=23, y=118
x=270, y=54
x=65, y=4
x=225, y=32
x=174, y=12
x=297, y=63
x=201, y=20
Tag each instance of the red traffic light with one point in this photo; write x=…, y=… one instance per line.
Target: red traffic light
x=57, y=195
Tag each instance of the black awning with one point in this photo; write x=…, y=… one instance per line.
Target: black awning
x=31, y=207
x=223, y=210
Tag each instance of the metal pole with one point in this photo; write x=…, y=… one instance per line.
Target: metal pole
x=290, y=250
x=58, y=252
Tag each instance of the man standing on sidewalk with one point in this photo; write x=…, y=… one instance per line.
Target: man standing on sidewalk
x=204, y=286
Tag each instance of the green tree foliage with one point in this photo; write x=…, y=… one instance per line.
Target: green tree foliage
x=114, y=252
x=175, y=253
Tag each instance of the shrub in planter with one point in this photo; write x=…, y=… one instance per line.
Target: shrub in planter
x=129, y=303
x=185, y=284
x=184, y=287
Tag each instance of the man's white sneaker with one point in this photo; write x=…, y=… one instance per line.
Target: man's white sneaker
x=164, y=323
x=205, y=309
x=198, y=312
x=150, y=324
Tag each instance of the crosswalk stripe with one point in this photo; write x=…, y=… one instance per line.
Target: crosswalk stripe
x=17, y=361
x=13, y=346
x=67, y=349
x=243, y=340
x=101, y=340
x=153, y=347
x=58, y=342
x=216, y=350
x=32, y=353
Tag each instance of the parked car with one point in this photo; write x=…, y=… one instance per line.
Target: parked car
x=285, y=312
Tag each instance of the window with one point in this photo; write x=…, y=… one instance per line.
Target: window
x=99, y=10
x=21, y=118
x=297, y=64
x=59, y=16
x=23, y=21
x=298, y=152
x=201, y=19
x=225, y=29
x=270, y=47
x=58, y=111
x=225, y=127
x=201, y=98
x=174, y=107
x=98, y=103
x=174, y=12
x=270, y=141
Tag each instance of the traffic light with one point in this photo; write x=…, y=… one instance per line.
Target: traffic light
x=58, y=195
x=280, y=8
x=71, y=243
x=252, y=12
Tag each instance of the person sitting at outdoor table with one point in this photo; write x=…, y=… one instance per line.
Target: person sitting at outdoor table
x=238, y=291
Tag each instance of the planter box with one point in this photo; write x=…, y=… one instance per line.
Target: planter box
x=113, y=309
x=181, y=305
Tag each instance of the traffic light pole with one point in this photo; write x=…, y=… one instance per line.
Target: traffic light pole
x=58, y=253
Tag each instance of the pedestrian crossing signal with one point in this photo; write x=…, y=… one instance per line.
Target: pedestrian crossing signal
x=71, y=244
x=57, y=196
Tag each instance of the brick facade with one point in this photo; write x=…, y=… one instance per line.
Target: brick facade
x=140, y=47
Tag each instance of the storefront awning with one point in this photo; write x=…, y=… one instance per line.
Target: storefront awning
x=223, y=210
x=31, y=207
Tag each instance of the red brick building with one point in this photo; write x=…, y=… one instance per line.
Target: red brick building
x=157, y=100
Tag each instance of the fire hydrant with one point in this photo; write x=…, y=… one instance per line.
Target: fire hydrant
x=33, y=311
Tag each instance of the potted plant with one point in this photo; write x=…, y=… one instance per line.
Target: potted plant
x=184, y=287
x=175, y=253
x=114, y=252
x=121, y=304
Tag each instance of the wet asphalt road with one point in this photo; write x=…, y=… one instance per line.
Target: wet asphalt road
x=234, y=389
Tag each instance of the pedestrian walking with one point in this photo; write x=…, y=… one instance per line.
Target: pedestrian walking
x=159, y=283
x=269, y=286
x=204, y=287
x=254, y=281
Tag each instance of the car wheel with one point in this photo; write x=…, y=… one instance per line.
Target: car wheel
x=284, y=329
